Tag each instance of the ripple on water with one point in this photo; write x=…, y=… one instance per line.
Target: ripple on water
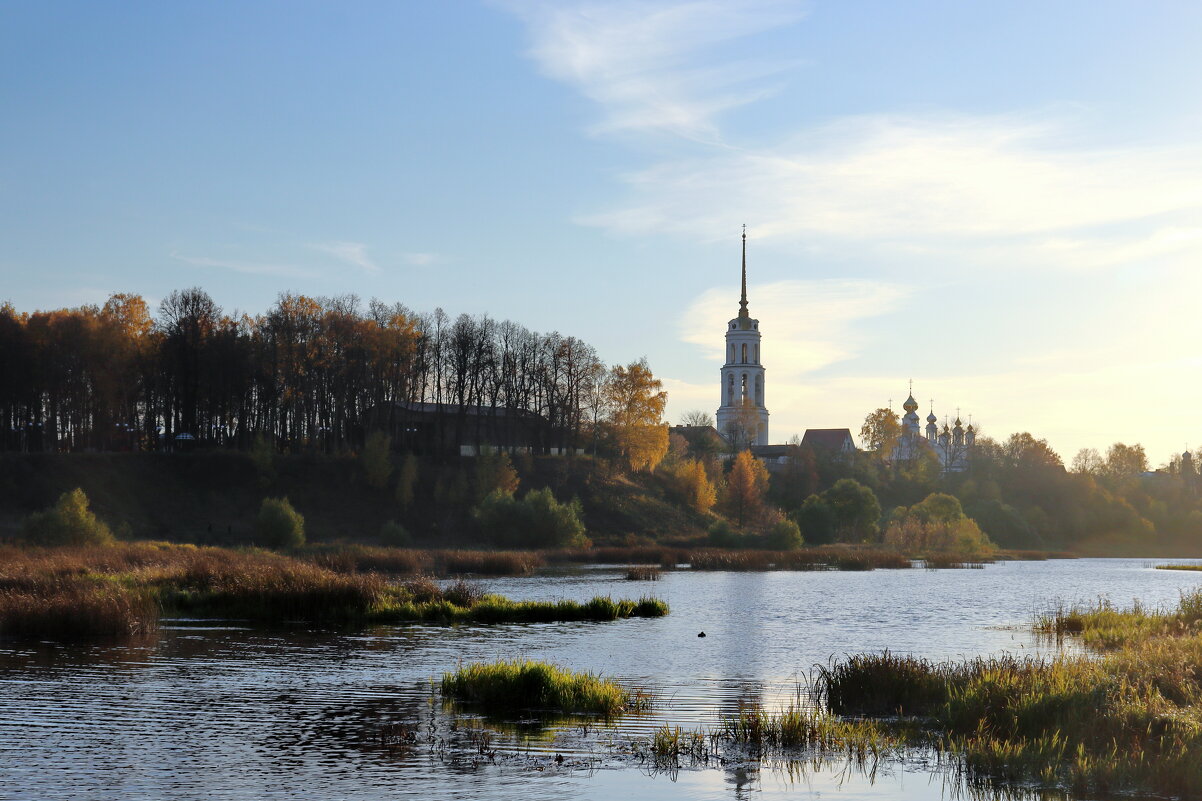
x=229, y=712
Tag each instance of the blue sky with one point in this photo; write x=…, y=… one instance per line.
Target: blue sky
x=1002, y=201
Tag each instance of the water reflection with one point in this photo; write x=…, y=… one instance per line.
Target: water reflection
x=233, y=712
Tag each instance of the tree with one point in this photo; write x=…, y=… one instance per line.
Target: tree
x=1088, y=462
x=856, y=510
x=693, y=485
x=696, y=417
x=938, y=507
x=495, y=472
x=785, y=535
x=881, y=432
x=636, y=401
x=746, y=488
x=536, y=521
x=407, y=481
x=68, y=522
x=1125, y=461
x=744, y=427
x=279, y=525
x=377, y=459
x=816, y=520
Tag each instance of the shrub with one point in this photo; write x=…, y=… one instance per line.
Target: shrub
x=536, y=521
x=279, y=525
x=262, y=455
x=816, y=520
x=723, y=535
x=394, y=534
x=68, y=522
x=407, y=481
x=784, y=536
x=377, y=459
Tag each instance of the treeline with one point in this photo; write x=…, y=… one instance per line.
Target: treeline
x=310, y=373
x=1017, y=492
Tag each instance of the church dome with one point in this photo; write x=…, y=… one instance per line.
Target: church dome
x=931, y=418
x=910, y=405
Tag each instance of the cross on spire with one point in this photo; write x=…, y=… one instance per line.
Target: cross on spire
x=743, y=297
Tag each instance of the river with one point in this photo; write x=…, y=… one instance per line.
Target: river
x=226, y=711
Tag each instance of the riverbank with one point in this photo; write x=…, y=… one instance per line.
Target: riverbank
x=123, y=590
x=1128, y=720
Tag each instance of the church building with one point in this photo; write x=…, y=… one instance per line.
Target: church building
x=743, y=418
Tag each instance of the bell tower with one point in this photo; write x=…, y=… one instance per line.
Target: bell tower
x=742, y=416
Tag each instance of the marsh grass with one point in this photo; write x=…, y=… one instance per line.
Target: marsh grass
x=1179, y=567
x=1129, y=720
x=829, y=558
x=524, y=686
x=123, y=589
x=642, y=574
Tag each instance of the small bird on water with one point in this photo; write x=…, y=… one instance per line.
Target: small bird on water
x=702, y=634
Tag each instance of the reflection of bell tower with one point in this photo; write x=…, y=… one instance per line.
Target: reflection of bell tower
x=742, y=417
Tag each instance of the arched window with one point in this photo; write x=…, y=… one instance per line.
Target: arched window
x=745, y=389
x=759, y=391
x=757, y=354
x=744, y=353
x=730, y=389
x=732, y=354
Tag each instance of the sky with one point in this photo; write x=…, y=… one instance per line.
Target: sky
x=999, y=201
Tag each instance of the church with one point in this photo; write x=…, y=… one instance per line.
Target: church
x=742, y=417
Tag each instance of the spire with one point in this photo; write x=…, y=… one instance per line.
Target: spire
x=743, y=298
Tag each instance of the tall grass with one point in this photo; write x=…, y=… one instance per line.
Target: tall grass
x=531, y=686
x=837, y=558
x=122, y=589
x=1130, y=720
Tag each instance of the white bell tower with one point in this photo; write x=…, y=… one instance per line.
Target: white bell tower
x=742, y=417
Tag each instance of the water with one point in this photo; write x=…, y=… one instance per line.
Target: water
x=226, y=712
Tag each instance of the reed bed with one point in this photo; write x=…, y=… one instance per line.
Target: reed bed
x=850, y=559
x=642, y=574
x=797, y=726
x=952, y=561
x=523, y=686
x=1130, y=720
x=1179, y=567
x=122, y=590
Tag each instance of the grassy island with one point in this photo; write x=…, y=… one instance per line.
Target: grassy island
x=124, y=589
x=531, y=686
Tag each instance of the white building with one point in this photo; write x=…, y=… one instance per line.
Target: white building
x=743, y=418
x=952, y=446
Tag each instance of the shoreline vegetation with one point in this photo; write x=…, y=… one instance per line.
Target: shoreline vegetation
x=526, y=686
x=123, y=590
x=1128, y=718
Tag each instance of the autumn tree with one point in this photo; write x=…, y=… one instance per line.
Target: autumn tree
x=881, y=432
x=1125, y=461
x=696, y=417
x=1088, y=462
x=746, y=488
x=636, y=400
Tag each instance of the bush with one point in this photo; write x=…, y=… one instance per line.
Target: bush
x=816, y=520
x=279, y=525
x=536, y=521
x=377, y=459
x=68, y=522
x=723, y=535
x=784, y=536
x=394, y=534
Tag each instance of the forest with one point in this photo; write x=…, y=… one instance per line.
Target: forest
x=306, y=375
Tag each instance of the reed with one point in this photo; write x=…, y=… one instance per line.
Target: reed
x=1130, y=720
x=122, y=589
x=1179, y=567
x=486, y=563
x=539, y=687
x=642, y=574
x=797, y=726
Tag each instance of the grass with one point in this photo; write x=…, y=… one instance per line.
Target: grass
x=642, y=574
x=1179, y=567
x=529, y=686
x=1129, y=720
x=123, y=590
x=821, y=558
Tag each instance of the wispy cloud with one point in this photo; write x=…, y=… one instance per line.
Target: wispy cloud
x=248, y=267
x=353, y=253
x=935, y=185
x=639, y=60
x=813, y=323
